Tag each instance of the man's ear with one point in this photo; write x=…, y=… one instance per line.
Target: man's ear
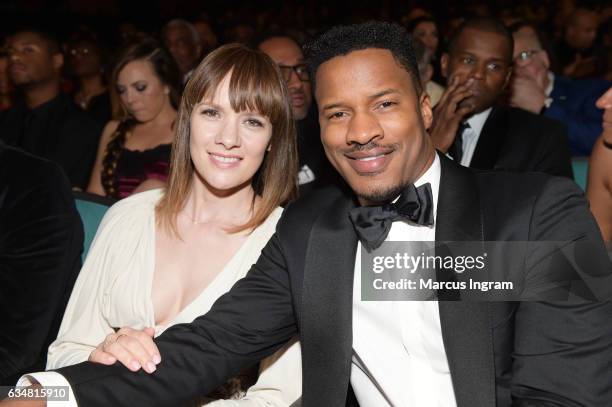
x=426, y=113
x=57, y=60
x=444, y=65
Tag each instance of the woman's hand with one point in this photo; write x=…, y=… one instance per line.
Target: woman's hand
x=135, y=349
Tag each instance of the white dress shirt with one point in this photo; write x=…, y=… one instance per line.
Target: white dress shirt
x=471, y=135
x=398, y=353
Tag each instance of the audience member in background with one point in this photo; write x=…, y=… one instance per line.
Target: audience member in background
x=134, y=151
x=315, y=170
x=41, y=239
x=425, y=29
x=577, y=52
x=163, y=257
x=535, y=88
x=471, y=128
x=183, y=41
x=208, y=38
x=423, y=57
x=86, y=62
x=240, y=32
x=599, y=187
x=6, y=88
x=47, y=123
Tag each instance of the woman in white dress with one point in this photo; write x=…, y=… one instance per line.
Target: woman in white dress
x=163, y=257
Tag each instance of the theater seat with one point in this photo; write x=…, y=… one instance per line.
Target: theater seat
x=92, y=209
x=580, y=166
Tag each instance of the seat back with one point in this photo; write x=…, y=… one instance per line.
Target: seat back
x=580, y=166
x=91, y=209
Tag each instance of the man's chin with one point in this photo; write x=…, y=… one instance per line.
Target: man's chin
x=378, y=195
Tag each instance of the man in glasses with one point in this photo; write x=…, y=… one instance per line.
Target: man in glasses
x=315, y=170
x=469, y=123
x=536, y=89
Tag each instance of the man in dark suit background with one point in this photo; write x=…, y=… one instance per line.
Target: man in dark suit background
x=41, y=239
x=47, y=123
x=471, y=127
x=473, y=354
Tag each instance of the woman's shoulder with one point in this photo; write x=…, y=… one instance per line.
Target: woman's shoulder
x=136, y=205
x=268, y=226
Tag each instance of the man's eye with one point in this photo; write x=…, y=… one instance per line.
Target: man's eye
x=494, y=67
x=336, y=115
x=387, y=104
x=28, y=50
x=467, y=60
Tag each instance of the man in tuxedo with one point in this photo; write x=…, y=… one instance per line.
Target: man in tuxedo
x=41, y=239
x=470, y=127
x=307, y=279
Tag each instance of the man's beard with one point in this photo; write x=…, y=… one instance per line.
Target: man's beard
x=381, y=195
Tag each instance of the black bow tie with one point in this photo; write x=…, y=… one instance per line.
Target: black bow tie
x=372, y=223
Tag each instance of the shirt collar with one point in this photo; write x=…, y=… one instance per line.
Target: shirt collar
x=551, y=84
x=478, y=120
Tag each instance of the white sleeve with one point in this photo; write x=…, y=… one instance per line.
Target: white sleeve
x=279, y=383
x=48, y=379
x=84, y=325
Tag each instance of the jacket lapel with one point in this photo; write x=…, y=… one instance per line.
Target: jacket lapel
x=490, y=141
x=467, y=336
x=326, y=322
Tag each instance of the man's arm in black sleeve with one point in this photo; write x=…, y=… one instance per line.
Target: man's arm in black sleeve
x=250, y=322
x=41, y=240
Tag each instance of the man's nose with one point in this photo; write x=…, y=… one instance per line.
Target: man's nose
x=364, y=128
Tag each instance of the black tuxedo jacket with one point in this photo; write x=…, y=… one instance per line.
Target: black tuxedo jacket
x=519, y=141
x=41, y=239
x=537, y=354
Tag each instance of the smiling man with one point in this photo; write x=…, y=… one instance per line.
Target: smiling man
x=471, y=127
x=308, y=278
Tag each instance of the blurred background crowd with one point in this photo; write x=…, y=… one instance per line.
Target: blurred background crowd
x=85, y=45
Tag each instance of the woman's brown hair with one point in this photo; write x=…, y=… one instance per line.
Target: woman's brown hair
x=256, y=84
x=147, y=49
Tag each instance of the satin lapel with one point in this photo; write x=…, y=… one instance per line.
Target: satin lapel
x=468, y=339
x=490, y=141
x=326, y=324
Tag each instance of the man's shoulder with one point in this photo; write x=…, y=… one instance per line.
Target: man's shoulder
x=18, y=166
x=303, y=212
x=530, y=127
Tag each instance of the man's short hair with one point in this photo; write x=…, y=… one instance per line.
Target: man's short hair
x=344, y=39
x=52, y=42
x=486, y=24
x=180, y=23
x=273, y=33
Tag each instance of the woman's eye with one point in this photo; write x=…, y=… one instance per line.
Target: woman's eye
x=120, y=90
x=210, y=113
x=254, y=123
x=141, y=88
